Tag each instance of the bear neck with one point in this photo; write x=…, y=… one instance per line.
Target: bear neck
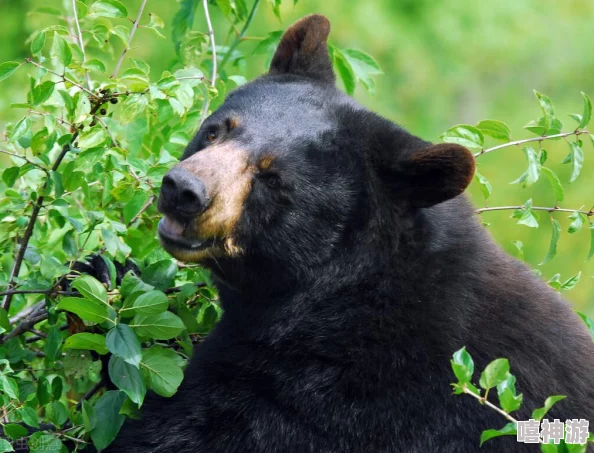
x=384, y=269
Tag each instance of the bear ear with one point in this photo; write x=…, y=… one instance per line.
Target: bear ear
x=435, y=173
x=303, y=50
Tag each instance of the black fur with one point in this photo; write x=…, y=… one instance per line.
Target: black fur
x=343, y=313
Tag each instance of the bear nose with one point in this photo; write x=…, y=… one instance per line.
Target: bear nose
x=182, y=194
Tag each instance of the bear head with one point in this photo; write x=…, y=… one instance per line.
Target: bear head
x=290, y=171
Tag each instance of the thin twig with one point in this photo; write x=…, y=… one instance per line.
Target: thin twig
x=59, y=120
x=214, y=61
x=127, y=46
x=528, y=140
x=47, y=292
x=25, y=159
x=90, y=393
x=63, y=77
x=80, y=42
x=147, y=205
x=27, y=311
x=535, y=208
x=488, y=404
x=212, y=43
x=114, y=142
x=25, y=325
x=177, y=289
x=240, y=36
x=31, y=225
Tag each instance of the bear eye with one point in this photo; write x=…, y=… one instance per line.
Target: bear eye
x=211, y=136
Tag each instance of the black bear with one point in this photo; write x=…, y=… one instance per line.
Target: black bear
x=350, y=269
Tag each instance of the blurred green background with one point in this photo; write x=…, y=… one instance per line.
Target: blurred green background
x=445, y=62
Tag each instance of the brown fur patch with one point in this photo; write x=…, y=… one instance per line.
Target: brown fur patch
x=232, y=123
x=265, y=162
x=225, y=171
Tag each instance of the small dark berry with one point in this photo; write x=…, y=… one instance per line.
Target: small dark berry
x=103, y=111
x=113, y=100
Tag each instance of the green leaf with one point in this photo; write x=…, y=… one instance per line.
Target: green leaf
x=545, y=104
x=161, y=274
x=132, y=284
x=88, y=341
x=108, y=8
x=89, y=310
x=508, y=399
x=526, y=216
x=275, y=5
x=576, y=157
x=578, y=220
x=554, y=239
x=587, y=115
x=92, y=138
x=38, y=42
x=555, y=182
x=123, y=342
x=484, y=184
x=494, y=374
x=134, y=206
x=532, y=174
x=89, y=416
x=162, y=373
x=132, y=107
x=151, y=303
x=21, y=128
x=571, y=282
x=462, y=365
x=8, y=68
x=539, y=413
x=29, y=416
x=127, y=378
x=363, y=67
x=589, y=323
x=465, y=135
x=15, y=431
x=495, y=129
x=42, y=93
x=91, y=288
x=57, y=413
x=108, y=418
x=5, y=445
x=95, y=65
x=42, y=442
x=53, y=343
x=507, y=430
x=544, y=126
x=9, y=387
x=162, y=326
x=10, y=175
x=61, y=49
x=269, y=44
x=82, y=107
x=345, y=72
x=183, y=21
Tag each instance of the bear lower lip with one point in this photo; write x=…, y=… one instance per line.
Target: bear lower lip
x=171, y=233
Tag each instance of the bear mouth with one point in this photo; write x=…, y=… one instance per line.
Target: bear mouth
x=172, y=235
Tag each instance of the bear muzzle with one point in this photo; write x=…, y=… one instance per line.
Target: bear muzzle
x=203, y=199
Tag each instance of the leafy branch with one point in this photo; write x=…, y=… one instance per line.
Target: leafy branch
x=241, y=35
x=535, y=208
x=127, y=46
x=529, y=140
